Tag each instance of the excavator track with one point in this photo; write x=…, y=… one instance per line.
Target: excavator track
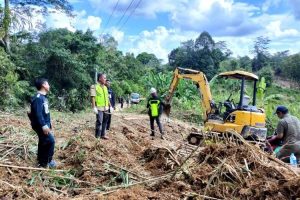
x=195, y=138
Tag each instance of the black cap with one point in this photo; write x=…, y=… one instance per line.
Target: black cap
x=39, y=83
x=282, y=109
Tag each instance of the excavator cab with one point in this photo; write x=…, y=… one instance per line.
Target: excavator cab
x=245, y=119
x=243, y=103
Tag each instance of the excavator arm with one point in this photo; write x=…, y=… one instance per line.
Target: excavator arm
x=201, y=82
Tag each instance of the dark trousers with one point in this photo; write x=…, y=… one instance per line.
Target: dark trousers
x=45, y=147
x=157, y=119
x=108, y=120
x=101, y=122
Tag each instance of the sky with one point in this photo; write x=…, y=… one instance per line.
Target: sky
x=158, y=26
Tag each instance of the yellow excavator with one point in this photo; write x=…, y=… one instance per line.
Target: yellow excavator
x=247, y=120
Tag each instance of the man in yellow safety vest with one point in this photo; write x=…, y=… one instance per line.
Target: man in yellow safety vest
x=100, y=103
x=154, y=105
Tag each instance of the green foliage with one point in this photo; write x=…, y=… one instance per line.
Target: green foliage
x=261, y=88
x=8, y=80
x=68, y=61
x=203, y=55
x=241, y=63
x=18, y=14
x=268, y=74
x=291, y=67
x=261, y=53
x=117, y=88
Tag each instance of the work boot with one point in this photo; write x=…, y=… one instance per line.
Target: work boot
x=42, y=165
x=52, y=164
x=105, y=137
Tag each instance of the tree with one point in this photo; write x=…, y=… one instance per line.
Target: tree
x=108, y=42
x=245, y=63
x=261, y=53
x=204, y=41
x=146, y=58
x=291, y=67
x=8, y=79
x=67, y=59
x=203, y=54
x=277, y=60
x=21, y=11
x=222, y=46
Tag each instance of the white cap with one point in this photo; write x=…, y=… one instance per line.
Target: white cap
x=152, y=90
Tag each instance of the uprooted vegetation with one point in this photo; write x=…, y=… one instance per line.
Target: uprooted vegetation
x=132, y=166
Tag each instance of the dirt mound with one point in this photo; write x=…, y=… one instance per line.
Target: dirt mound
x=158, y=160
x=130, y=165
x=226, y=171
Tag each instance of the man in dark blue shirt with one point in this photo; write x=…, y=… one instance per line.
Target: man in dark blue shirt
x=41, y=124
x=112, y=103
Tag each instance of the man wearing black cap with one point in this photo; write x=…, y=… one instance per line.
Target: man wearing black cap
x=288, y=131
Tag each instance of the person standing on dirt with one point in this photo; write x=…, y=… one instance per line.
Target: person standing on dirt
x=112, y=103
x=155, y=107
x=121, y=101
x=41, y=124
x=287, y=131
x=100, y=103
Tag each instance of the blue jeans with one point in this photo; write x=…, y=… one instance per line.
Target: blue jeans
x=45, y=147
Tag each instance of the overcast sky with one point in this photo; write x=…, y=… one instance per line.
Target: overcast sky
x=158, y=26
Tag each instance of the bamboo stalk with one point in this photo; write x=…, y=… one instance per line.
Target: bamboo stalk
x=116, y=171
x=31, y=168
x=263, y=153
x=14, y=187
x=207, y=197
x=10, y=146
x=57, y=190
x=179, y=168
x=138, y=183
x=171, y=154
x=131, y=172
x=219, y=167
x=73, y=179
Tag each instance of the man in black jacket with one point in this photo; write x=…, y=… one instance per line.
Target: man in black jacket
x=112, y=101
x=41, y=124
x=155, y=107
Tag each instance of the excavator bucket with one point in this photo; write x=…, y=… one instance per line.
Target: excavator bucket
x=167, y=109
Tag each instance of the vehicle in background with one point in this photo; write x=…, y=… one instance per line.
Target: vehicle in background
x=135, y=98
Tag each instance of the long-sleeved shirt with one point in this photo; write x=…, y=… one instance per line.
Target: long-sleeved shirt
x=161, y=104
x=40, y=114
x=111, y=97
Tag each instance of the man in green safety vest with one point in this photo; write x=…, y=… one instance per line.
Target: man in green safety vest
x=100, y=103
x=154, y=105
